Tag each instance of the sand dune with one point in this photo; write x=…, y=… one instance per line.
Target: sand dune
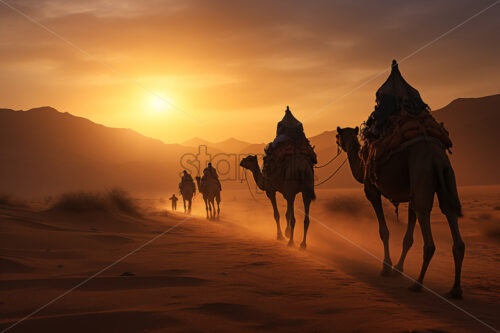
x=232, y=275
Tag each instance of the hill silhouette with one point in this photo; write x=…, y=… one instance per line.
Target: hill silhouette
x=44, y=151
x=473, y=125
x=229, y=145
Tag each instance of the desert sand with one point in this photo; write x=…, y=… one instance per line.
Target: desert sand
x=231, y=275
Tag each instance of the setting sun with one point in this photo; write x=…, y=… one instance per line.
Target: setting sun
x=157, y=104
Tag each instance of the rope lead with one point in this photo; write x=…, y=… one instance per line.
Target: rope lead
x=330, y=161
x=333, y=174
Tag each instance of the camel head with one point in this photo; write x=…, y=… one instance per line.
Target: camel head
x=250, y=162
x=345, y=136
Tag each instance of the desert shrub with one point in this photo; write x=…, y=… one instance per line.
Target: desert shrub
x=81, y=202
x=114, y=200
x=121, y=200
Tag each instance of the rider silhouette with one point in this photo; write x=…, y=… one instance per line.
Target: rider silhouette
x=211, y=172
x=186, y=180
x=186, y=176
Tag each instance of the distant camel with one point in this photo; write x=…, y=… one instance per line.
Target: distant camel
x=210, y=190
x=298, y=178
x=414, y=174
x=188, y=190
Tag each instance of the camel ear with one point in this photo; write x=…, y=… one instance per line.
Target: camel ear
x=339, y=129
x=356, y=130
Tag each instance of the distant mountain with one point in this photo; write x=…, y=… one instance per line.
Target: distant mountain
x=473, y=124
x=43, y=151
x=230, y=145
x=195, y=142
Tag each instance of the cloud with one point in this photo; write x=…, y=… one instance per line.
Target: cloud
x=252, y=55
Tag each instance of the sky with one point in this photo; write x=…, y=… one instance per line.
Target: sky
x=177, y=69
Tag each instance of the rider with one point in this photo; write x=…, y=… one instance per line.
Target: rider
x=186, y=179
x=186, y=176
x=211, y=172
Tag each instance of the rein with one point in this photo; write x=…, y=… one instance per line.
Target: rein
x=330, y=161
x=333, y=174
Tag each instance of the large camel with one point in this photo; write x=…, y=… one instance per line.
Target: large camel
x=413, y=174
x=210, y=190
x=298, y=178
x=188, y=190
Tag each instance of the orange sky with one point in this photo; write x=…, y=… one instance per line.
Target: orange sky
x=231, y=67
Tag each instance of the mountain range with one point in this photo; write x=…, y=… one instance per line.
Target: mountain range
x=44, y=151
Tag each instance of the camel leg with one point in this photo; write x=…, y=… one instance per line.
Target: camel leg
x=210, y=204
x=217, y=198
x=422, y=194
x=287, y=216
x=214, y=212
x=206, y=206
x=291, y=215
x=408, y=240
x=374, y=197
x=429, y=247
x=458, y=254
x=307, y=203
x=272, y=198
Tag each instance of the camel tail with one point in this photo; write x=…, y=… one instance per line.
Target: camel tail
x=447, y=192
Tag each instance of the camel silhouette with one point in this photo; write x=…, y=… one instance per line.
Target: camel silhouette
x=298, y=176
x=187, y=189
x=413, y=174
x=210, y=190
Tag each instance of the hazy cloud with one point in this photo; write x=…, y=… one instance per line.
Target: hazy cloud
x=233, y=56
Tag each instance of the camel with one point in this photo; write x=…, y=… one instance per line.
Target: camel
x=413, y=174
x=210, y=190
x=187, y=190
x=299, y=178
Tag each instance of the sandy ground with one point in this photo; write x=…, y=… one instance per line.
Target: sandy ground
x=232, y=275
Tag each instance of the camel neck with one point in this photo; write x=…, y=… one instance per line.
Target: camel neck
x=355, y=162
x=259, y=178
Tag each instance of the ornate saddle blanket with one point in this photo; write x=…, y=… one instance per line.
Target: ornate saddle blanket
x=402, y=130
x=277, y=154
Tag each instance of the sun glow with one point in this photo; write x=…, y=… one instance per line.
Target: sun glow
x=158, y=104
